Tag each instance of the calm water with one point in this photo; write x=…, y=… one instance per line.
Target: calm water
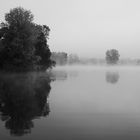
x=74, y=103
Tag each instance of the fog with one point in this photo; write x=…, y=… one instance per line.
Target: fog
x=87, y=27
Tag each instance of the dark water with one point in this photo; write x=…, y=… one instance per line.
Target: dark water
x=73, y=103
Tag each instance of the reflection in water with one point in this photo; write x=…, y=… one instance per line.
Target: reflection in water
x=73, y=74
x=112, y=77
x=63, y=74
x=58, y=75
x=23, y=97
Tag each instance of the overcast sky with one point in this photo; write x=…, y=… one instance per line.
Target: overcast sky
x=86, y=27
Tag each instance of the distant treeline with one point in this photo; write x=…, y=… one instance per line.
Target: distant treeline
x=62, y=58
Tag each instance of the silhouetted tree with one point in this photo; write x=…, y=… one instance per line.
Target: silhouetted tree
x=23, y=44
x=42, y=48
x=112, y=56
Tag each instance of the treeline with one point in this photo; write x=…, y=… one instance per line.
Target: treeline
x=111, y=58
x=23, y=43
x=60, y=58
x=24, y=46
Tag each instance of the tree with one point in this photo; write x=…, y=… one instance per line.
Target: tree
x=15, y=36
x=73, y=59
x=112, y=56
x=42, y=48
x=23, y=44
x=59, y=57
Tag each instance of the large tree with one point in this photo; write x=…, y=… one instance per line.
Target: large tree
x=42, y=48
x=112, y=56
x=23, y=44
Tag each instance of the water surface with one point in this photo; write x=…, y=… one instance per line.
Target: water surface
x=72, y=103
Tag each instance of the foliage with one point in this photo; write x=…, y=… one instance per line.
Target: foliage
x=23, y=44
x=112, y=56
x=41, y=47
x=59, y=57
x=73, y=59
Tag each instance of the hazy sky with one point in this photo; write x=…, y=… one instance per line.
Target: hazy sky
x=86, y=27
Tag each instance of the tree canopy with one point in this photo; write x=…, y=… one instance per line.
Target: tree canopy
x=59, y=57
x=112, y=56
x=23, y=43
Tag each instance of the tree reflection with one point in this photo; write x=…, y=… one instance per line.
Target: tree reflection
x=59, y=75
x=112, y=77
x=23, y=97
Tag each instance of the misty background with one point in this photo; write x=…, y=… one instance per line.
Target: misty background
x=87, y=27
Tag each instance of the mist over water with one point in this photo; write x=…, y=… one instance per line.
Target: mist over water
x=100, y=102
x=74, y=102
